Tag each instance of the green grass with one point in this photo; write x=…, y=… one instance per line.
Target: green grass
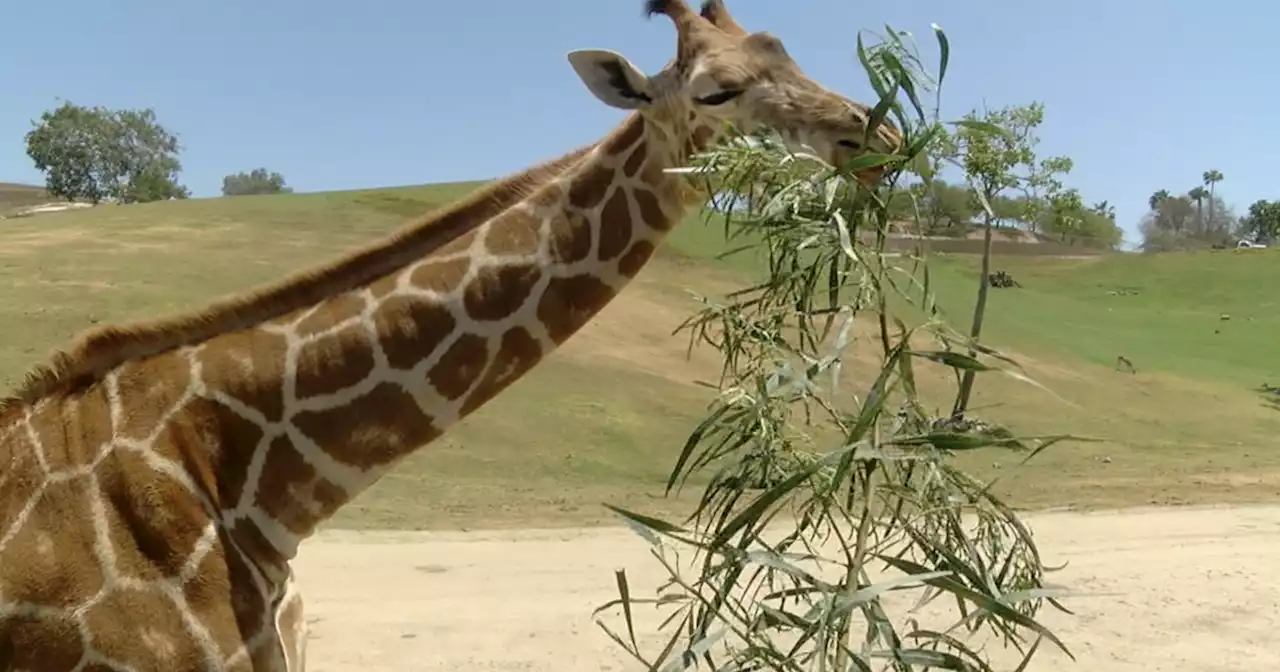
x=1164, y=312
x=603, y=419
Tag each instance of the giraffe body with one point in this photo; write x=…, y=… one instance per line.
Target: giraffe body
x=161, y=475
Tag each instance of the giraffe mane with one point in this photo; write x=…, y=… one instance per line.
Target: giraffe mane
x=97, y=350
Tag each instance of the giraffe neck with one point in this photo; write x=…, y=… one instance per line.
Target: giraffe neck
x=347, y=387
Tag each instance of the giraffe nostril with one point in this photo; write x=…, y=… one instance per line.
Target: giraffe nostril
x=849, y=144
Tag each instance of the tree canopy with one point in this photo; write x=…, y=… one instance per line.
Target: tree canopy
x=98, y=154
x=256, y=181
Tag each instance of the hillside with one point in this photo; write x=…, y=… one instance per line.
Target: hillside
x=601, y=420
x=14, y=196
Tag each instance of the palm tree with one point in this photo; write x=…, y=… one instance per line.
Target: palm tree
x=1211, y=178
x=1105, y=209
x=1156, y=197
x=1198, y=195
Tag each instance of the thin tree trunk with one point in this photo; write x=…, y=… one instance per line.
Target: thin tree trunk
x=979, y=312
x=1210, y=202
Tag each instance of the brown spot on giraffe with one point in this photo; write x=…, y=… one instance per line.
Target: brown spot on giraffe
x=154, y=387
x=409, y=326
x=247, y=610
x=588, y=186
x=650, y=211
x=293, y=492
x=520, y=237
x=344, y=307
x=390, y=424
x=460, y=366
x=334, y=362
x=444, y=277
x=569, y=302
x=636, y=161
x=75, y=435
x=571, y=239
x=154, y=522
x=518, y=352
x=497, y=292
x=142, y=646
x=635, y=258
x=247, y=366
x=45, y=642
x=615, y=228
x=38, y=569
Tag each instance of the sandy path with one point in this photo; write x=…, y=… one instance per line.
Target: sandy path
x=1174, y=589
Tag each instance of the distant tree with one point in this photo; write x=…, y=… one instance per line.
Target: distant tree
x=1198, y=195
x=1175, y=224
x=996, y=151
x=96, y=154
x=257, y=181
x=1211, y=179
x=1156, y=197
x=1263, y=221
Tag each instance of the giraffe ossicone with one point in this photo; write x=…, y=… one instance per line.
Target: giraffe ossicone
x=159, y=476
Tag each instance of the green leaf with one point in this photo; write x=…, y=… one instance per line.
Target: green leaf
x=864, y=161
x=956, y=360
x=982, y=127
x=944, y=52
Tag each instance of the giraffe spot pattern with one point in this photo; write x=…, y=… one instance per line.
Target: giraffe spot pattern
x=341, y=308
x=154, y=524
x=500, y=291
x=441, y=276
x=615, y=225
x=410, y=327
x=518, y=352
x=331, y=363
x=292, y=492
x=460, y=365
x=76, y=434
x=380, y=427
x=635, y=258
x=218, y=468
x=571, y=240
x=518, y=237
x=244, y=366
x=569, y=302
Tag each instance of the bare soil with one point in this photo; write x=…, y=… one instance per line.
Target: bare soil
x=1156, y=589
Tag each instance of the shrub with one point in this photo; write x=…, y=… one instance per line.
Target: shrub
x=831, y=502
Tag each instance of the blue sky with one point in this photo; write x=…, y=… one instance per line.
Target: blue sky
x=1142, y=94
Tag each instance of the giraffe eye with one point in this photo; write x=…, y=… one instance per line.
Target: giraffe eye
x=719, y=98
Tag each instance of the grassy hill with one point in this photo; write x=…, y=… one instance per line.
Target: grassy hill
x=13, y=196
x=601, y=420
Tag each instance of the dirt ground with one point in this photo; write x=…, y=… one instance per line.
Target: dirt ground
x=1156, y=589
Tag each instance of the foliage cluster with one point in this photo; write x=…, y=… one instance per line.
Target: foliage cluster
x=1196, y=220
x=96, y=154
x=832, y=504
x=255, y=182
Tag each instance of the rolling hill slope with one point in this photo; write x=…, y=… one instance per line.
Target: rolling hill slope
x=603, y=419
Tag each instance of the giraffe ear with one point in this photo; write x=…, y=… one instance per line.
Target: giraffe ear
x=611, y=78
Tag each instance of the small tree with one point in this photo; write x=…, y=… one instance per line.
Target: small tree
x=95, y=154
x=808, y=571
x=257, y=181
x=997, y=162
x=1211, y=179
x=1263, y=221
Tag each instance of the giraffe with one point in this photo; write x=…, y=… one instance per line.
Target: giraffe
x=160, y=475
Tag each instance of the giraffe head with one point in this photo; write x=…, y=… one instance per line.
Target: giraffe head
x=724, y=73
